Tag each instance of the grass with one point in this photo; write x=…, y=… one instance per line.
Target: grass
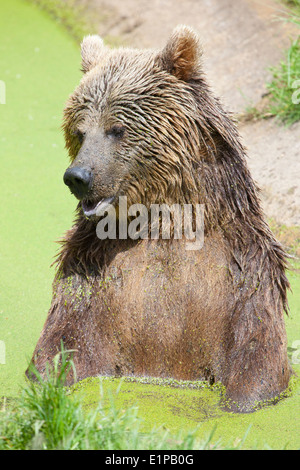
x=284, y=87
x=48, y=417
x=282, y=99
x=294, y=4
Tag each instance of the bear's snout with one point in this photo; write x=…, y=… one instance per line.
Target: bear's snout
x=79, y=180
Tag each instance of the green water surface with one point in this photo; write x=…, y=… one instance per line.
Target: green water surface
x=39, y=65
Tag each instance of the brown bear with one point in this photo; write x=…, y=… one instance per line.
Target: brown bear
x=145, y=125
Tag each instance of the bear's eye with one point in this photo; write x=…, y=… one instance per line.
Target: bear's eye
x=80, y=135
x=116, y=132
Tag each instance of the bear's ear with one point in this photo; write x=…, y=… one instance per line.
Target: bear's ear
x=181, y=55
x=92, y=51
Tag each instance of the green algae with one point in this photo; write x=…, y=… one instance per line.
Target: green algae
x=197, y=407
x=40, y=65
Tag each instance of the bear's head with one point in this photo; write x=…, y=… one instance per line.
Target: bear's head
x=143, y=124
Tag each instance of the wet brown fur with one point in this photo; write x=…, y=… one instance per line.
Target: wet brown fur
x=150, y=307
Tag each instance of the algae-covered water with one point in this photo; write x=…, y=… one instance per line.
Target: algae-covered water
x=39, y=67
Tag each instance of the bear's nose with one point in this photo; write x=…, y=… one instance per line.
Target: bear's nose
x=78, y=180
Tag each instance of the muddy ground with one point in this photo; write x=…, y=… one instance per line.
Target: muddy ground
x=241, y=40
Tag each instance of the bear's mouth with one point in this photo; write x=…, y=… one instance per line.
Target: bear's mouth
x=92, y=208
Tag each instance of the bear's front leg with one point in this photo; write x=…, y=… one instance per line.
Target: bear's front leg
x=257, y=369
x=82, y=323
